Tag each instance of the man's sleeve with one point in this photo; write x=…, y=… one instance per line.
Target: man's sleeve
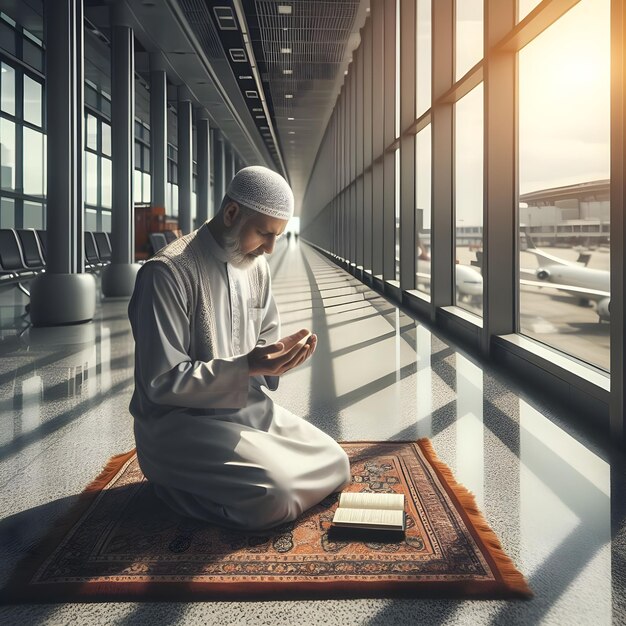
x=270, y=328
x=163, y=367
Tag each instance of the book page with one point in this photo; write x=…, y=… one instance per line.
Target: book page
x=369, y=517
x=387, y=501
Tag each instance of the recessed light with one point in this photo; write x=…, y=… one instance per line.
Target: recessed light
x=245, y=77
x=284, y=9
x=286, y=50
x=291, y=119
x=257, y=109
x=250, y=93
x=345, y=73
x=260, y=117
x=292, y=132
x=285, y=28
x=288, y=95
x=287, y=71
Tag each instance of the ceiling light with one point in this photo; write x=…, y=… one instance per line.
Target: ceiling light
x=286, y=50
x=345, y=73
x=292, y=132
x=245, y=77
x=284, y=9
x=260, y=117
x=290, y=119
x=288, y=95
x=257, y=109
x=287, y=71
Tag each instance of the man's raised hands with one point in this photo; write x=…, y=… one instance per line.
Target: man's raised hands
x=277, y=358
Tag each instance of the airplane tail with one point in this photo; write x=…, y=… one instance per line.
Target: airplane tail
x=544, y=258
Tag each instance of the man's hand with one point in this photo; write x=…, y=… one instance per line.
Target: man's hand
x=287, y=353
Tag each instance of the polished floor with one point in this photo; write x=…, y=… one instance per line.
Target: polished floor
x=551, y=491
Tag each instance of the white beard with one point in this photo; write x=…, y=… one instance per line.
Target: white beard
x=232, y=247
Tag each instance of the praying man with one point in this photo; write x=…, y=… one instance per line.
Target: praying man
x=206, y=332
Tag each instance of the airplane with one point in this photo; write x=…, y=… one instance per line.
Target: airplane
x=469, y=281
x=571, y=277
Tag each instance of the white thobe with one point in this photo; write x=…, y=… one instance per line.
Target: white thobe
x=213, y=443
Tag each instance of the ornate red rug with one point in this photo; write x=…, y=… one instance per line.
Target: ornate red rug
x=121, y=543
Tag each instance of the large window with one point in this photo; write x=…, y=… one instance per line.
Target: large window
x=97, y=176
x=424, y=56
x=469, y=35
x=142, y=163
x=423, y=188
x=564, y=163
x=468, y=198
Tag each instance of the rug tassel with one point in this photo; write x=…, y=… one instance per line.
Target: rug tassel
x=510, y=574
x=112, y=467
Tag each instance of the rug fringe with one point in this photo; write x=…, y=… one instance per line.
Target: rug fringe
x=511, y=576
x=113, y=466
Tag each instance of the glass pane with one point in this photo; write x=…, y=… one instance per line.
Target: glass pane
x=424, y=28
x=174, y=208
x=7, y=213
x=397, y=68
x=468, y=198
x=137, y=186
x=397, y=215
x=91, y=178
x=106, y=138
x=7, y=38
x=564, y=183
x=146, y=187
x=106, y=183
x=32, y=101
x=32, y=55
x=7, y=85
x=91, y=219
x=33, y=164
x=91, y=96
x=137, y=155
x=33, y=215
x=106, y=221
x=469, y=35
x=105, y=105
x=7, y=154
x=524, y=7
x=92, y=132
x=146, y=159
x=423, y=208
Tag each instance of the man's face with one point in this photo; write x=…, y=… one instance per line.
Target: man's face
x=252, y=236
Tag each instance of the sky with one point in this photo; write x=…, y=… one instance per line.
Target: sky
x=564, y=97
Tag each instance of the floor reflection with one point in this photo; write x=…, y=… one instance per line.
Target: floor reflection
x=377, y=374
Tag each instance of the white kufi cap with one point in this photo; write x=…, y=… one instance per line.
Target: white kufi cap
x=262, y=190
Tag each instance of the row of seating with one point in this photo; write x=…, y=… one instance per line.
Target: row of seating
x=23, y=254
x=161, y=239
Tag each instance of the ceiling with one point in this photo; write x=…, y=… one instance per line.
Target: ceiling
x=288, y=58
x=267, y=71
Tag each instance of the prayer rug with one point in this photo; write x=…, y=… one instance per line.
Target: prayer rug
x=121, y=543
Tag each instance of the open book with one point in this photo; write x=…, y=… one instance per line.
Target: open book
x=384, y=511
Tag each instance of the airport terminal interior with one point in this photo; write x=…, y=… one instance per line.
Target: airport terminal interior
x=458, y=169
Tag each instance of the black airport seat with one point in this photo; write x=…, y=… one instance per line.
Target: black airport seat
x=91, y=252
x=104, y=246
x=31, y=249
x=13, y=268
x=157, y=241
x=170, y=236
x=43, y=240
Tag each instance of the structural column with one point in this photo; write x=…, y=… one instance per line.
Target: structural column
x=204, y=207
x=228, y=164
x=118, y=279
x=185, y=159
x=218, y=169
x=158, y=131
x=64, y=294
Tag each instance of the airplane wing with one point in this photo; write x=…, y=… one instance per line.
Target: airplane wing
x=591, y=294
